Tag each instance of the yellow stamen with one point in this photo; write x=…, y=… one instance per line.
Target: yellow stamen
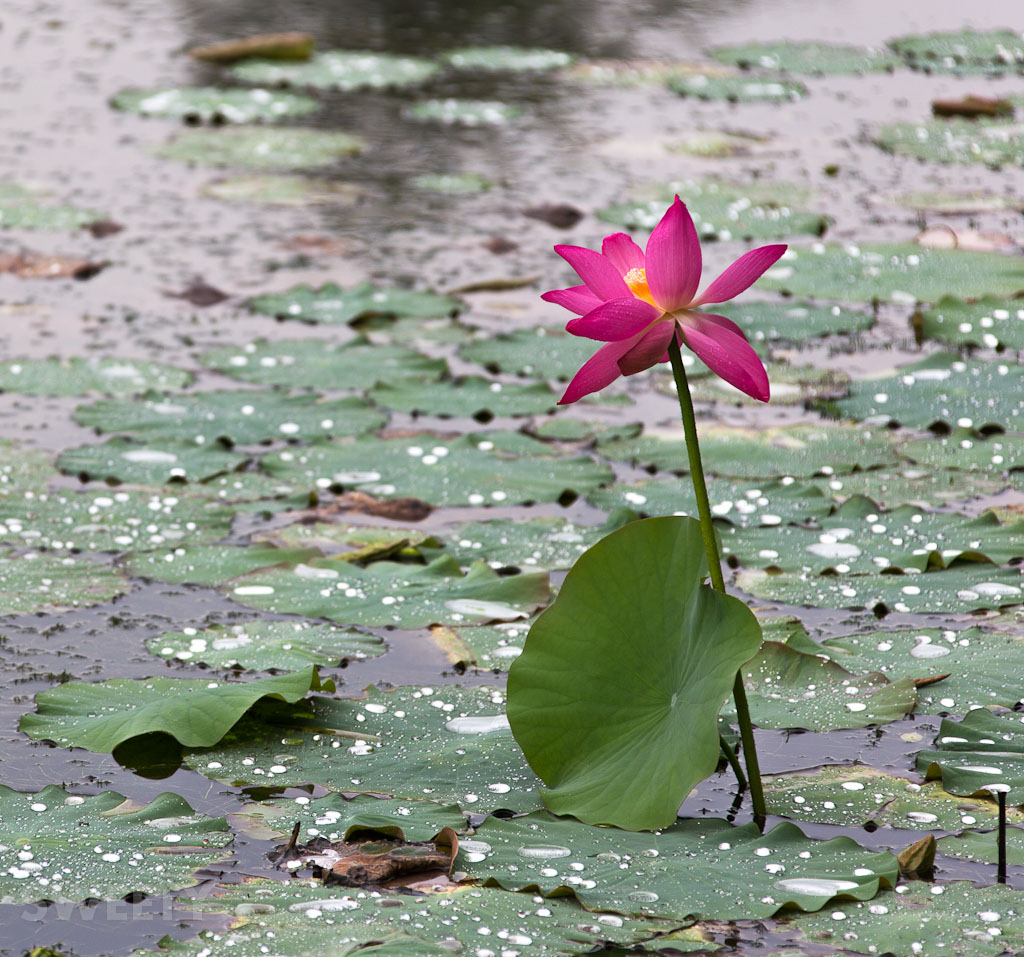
x=636, y=279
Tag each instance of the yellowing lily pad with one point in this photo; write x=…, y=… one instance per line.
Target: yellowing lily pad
x=254, y=147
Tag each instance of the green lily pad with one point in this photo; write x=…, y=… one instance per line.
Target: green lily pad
x=23, y=208
x=564, y=429
x=818, y=59
x=963, y=51
x=153, y=463
x=252, y=491
x=704, y=868
x=211, y=564
x=465, y=112
x=795, y=451
x=790, y=385
x=357, y=364
x=471, y=396
x=281, y=189
x=724, y=211
x=447, y=744
x=212, y=105
x=738, y=89
x=37, y=581
x=794, y=322
x=470, y=470
x=389, y=593
x=982, y=846
x=62, y=847
x=989, y=322
x=507, y=59
x=951, y=202
x=544, y=352
x=24, y=470
x=339, y=70
x=333, y=305
x=261, y=147
x=61, y=377
x=359, y=543
x=715, y=144
x=941, y=390
x=927, y=486
x=237, y=418
x=262, y=645
x=101, y=715
x=452, y=184
x=995, y=144
x=969, y=450
x=414, y=331
x=902, y=273
x=634, y=73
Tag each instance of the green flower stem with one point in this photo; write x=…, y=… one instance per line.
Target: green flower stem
x=707, y=528
x=730, y=756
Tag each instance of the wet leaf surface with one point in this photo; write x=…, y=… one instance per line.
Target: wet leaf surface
x=816, y=59
x=737, y=89
x=339, y=70
x=153, y=463
x=990, y=323
x=963, y=51
x=334, y=305
x=212, y=105
x=507, y=58
x=452, y=112
x=24, y=208
x=108, y=375
x=253, y=147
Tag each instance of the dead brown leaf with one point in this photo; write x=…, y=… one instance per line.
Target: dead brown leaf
x=559, y=215
x=269, y=46
x=28, y=265
x=199, y=293
x=917, y=862
x=397, y=509
x=972, y=106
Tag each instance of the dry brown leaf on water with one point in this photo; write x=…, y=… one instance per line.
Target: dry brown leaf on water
x=397, y=509
x=917, y=862
x=199, y=293
x=270, y=46
x=498, y=284
x=559, y=215
x=28, y=265
x=973, y=106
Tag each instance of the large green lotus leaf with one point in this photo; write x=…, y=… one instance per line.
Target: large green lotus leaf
x=545, y=352
x=207, y=104
x=794, y=451
x=339, y=70
x=265, y=645
x=469, y=470
x=38, y=581
x=62, y=847
x=472, y=396
x=848, y=796
x=981, y=751
x=989, y=322
x=80, y=376
x=723, y=210
x=923, y=485
x=282, y=189
x=211, y=564
x=941, y=390
x=390, y=593
x=151, y=463
x=245, y=417
x=861, y=538
x=737, y=89
x=261, y=147
x=963, y=51
x=970, y=586
x=446, y=744
x=322, y=365
x=738, y=503
x=110, y=521
x=819, y=59
x=993, y=144
x=333, y=305
x=982, y=667
x=452, y=184
x=303, y=918
x=970, y=450
x=507, y=59
x=902, y=273
x=695, y=868
x=24, y=208
x=101, y=715
x=492, y=647
x=452, y=112
x=955, y=918
x=622, y=730
x=794, y=322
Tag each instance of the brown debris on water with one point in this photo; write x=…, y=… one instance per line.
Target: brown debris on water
x=29, y=265
x=270, y=46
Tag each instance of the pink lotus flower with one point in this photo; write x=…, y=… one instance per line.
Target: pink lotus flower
x=634, y=301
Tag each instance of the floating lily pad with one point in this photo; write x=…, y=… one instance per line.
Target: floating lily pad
x=507, y=59
x=943, y=390
x=262, y=645
x=790, y=385
x=281, y=189
x=36, y=581
x=970, y=450
x=261, y=147
x=472, y=396
x=564, y=429
x=452, y=184
x=62, y=847
x=544, y=352
x=738, y=89
x=901, y=273
x=469, y=470
x=819, y=59
x=23, y=208
x=212, y=105
x=101, y=715
x=153, y=463
x=923, y=485
x=211, y=564
x=415, y=331
x=989, y=322
x=339, y=70
x=465, y=112
x=238, y=418
x=334, y=305
x=963, y=51
x=723, y=211
x=703, y=868
x=983, y=846
x=80, y=376
x=794, y=322
x=253, y=490
x=360, y=543
x=956, y=201
x=715, y=144
x=994, y=144
x=632, y=73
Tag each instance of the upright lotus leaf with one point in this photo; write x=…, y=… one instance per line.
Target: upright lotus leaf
x=62, y=847
x=901, y=273
x=544, y=352
x=795, y=322
x=339, y=70
x=46, y=582
x=212, y=105
x=282, y=189
x=989, y=322
x=357, y=364
x=507, y=59
x=616, y=695
x=695, y=868
x=818, y=59
x=101, y=715
x=211, y=564
x=80, y=376
x=446, y=744
x=452, y=112
x=24, y=208
x=990, y=143
x=738, y=89
x=472, y=396
x=389, y=593
x=336, y=306
x=151, y=463
x=941, y=390
x=261, y=147
x=983, y=750
x=264, y=645
x=919, y=483
x=963, y=51
x=245, y=417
